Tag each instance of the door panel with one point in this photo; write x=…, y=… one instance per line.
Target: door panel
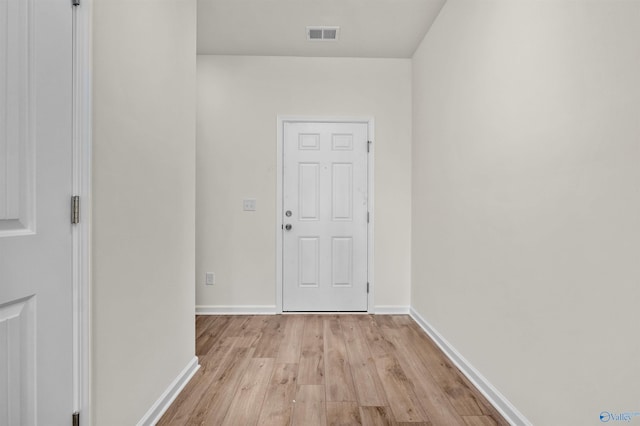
x=342, y=191
x=16, y=148
x=35, y=232
x=308, y=262
x=309, y=191
x=342, y=261
x=325, y=191
x=17, y=362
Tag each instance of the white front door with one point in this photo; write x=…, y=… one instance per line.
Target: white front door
x=36, y=339
x=325, y=200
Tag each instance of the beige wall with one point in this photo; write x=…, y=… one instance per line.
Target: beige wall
x=239, y=99
x=526, y=207
x=144, y=194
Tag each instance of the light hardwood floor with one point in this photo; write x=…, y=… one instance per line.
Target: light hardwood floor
x=324, y=370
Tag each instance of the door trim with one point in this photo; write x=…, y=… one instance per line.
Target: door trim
x=281, y=120
x=81, y=233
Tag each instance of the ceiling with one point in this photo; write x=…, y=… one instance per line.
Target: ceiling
x=368, y=28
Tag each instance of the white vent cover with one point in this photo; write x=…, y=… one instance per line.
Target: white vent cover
x=323, y=33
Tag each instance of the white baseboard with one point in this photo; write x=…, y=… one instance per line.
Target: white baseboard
x=502, y=404
x=235, y=310
x=169, y=395
x=390, y=310
x=271, y=310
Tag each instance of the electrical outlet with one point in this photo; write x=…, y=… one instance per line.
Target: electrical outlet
x=249, y=204
x=210, y=278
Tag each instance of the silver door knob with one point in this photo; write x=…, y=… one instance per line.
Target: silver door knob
x=288, y=227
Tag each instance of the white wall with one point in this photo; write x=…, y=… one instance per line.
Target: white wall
x=526, y=201
x=239, y=99
x=144, y=197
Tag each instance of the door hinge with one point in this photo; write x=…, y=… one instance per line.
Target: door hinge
x=367, y=217
x=75, y=419
x=75, y=209
x=369, y=146
x=367, y=287
x=75, y=2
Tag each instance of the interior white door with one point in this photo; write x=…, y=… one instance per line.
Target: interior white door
x=36, y=339
x=325, y=201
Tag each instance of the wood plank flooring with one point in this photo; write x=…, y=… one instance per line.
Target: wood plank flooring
x=307, y=370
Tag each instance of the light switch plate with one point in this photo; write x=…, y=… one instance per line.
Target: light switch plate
x=210, y=278
x=249, y=204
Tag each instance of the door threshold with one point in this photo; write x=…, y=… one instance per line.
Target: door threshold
x=325, y=313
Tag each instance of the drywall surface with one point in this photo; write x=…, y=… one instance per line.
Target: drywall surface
x=144, y=198
x=239, y=100
x=526, y=199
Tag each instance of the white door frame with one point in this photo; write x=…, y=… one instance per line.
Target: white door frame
x=82, y=167
x=281, y=120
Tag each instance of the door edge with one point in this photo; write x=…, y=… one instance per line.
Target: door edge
x=81, y=186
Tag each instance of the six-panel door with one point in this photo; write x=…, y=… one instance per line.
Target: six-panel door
x=36, y=310
x=325, y=205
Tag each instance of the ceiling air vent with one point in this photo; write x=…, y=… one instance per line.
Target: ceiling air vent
x=322, y=33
